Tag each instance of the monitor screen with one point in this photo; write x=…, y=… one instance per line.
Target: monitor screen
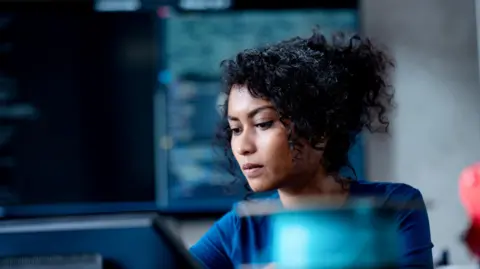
x=122, y=107
x=76, y=109
x=192, y=170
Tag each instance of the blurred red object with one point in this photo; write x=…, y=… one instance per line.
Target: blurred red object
x=472, y=239
x=469, y=188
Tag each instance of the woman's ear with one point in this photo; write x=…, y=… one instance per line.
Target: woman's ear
x=321, y=144
x=289, y=127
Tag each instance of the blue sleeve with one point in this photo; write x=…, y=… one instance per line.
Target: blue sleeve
x=414, y=227
x=214, y=249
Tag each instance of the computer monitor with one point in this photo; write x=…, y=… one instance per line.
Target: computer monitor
x=76, y=107
x=191, y=174
x=120, y=241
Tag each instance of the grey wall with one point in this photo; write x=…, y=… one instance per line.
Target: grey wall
x=436, y=126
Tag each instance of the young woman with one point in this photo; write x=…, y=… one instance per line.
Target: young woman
x=293, y=110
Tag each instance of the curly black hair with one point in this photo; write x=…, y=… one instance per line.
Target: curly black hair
x=329, y=89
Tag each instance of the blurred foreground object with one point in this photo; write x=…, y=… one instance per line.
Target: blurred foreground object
x=361, y=234
x=469, y=188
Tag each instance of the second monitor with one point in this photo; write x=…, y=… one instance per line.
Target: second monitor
x=124, y=241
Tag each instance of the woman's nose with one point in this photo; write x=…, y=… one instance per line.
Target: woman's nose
x=245, y=145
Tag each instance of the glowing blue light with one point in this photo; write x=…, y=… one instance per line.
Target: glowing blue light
x=165, y=77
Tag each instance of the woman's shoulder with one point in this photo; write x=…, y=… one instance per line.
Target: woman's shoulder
x=387, y=189
x=391, y=193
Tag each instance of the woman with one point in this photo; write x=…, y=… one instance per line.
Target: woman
x=292, y=112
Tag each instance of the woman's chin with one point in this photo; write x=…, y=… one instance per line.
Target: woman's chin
x=261, y=186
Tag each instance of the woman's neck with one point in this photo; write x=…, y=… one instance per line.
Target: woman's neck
x=321, y=187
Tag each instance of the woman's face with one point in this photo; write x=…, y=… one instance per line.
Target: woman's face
x=260, y=144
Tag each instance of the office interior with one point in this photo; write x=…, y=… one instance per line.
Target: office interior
x=111, y=107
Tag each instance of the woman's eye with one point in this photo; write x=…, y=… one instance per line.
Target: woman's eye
x=235, y=131
x=264, y=125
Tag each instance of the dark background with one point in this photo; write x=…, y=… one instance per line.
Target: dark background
x=88, y=80
x=92, y=136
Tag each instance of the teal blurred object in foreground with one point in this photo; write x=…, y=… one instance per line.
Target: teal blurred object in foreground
x=357, y=236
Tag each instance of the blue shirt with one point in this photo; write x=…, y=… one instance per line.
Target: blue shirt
x=233, y=240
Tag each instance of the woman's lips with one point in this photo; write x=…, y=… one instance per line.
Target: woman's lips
x=253, y=170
